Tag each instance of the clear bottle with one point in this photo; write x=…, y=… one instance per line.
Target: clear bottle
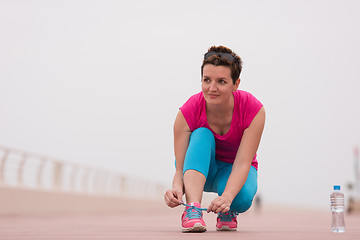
x=337, y=208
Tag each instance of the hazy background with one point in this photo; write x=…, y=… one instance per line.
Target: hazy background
x=100, y=83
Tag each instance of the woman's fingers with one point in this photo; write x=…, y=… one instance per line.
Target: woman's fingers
x=223, y=208
x=214, y=205
x=176, y=197
x=226, y=209
x=179, y=197
x=219, y=205
x=167, y=199
x=172, y=198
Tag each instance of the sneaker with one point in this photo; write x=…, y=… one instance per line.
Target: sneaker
x=227, y=221
x=192, y=220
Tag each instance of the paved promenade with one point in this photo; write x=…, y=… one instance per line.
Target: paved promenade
x=155, y=221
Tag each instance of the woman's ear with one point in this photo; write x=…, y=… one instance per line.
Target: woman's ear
x=236, y=85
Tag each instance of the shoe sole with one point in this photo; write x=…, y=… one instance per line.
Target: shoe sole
x=226, y=228
x=198, y=227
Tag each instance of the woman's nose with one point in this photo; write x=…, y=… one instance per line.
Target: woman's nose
x=212, y=86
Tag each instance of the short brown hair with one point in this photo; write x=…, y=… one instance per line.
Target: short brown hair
x=217, y=60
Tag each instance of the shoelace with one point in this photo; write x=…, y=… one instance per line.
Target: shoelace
x=193, y=214
x=228, y=216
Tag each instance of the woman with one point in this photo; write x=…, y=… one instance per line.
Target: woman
x=216, y=136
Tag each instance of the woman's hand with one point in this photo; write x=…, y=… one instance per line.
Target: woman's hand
x=219, y=204
x=173, y=197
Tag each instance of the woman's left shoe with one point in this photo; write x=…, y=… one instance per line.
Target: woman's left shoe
x=226, y=221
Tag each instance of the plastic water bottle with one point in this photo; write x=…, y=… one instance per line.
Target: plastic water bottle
x=337, y=208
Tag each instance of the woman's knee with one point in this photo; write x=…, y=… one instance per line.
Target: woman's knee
x=241, y=204
x=201, y=134
x=243, y=200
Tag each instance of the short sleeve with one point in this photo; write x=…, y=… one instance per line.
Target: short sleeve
x=191, y=111
x=251, y=106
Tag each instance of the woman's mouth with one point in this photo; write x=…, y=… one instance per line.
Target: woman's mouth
x=213, y=95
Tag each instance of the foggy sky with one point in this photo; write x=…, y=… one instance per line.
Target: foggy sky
x=100, y=83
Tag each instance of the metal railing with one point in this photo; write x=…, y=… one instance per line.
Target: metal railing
x=34, y=171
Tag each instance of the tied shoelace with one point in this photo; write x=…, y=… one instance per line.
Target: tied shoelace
x=193, y=214
x=228, y=216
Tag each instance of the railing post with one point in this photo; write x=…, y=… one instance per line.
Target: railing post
x=106, y=183
x=102, y=183
x=2, y=166
x=20, y=170
x=57, y=175
x=73, y=178
x=97, y=182
x=115, y=185
x=85, y=181
x=40, y=172
x=122, y=181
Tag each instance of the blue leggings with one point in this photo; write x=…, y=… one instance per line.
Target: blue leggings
x=200, y=156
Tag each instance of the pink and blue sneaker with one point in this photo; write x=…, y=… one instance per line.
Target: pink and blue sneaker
x=192, y=218
x=226, y=221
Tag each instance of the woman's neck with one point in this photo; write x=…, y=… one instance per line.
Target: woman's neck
x=221, y=110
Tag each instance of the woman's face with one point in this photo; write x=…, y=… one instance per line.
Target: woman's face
x=217, y=84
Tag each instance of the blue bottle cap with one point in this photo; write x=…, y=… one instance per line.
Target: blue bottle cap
x=337, y=187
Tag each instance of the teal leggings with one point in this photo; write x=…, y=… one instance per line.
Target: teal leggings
x=200, y=156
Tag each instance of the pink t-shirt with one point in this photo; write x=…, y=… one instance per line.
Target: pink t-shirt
x=246, y=106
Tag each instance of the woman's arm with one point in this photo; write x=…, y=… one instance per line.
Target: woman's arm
x=248, y=146
x=173, y=197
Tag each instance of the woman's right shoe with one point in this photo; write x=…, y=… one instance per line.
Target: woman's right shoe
x=192, y=220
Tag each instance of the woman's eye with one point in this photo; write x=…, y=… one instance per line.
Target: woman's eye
x=222, y=81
